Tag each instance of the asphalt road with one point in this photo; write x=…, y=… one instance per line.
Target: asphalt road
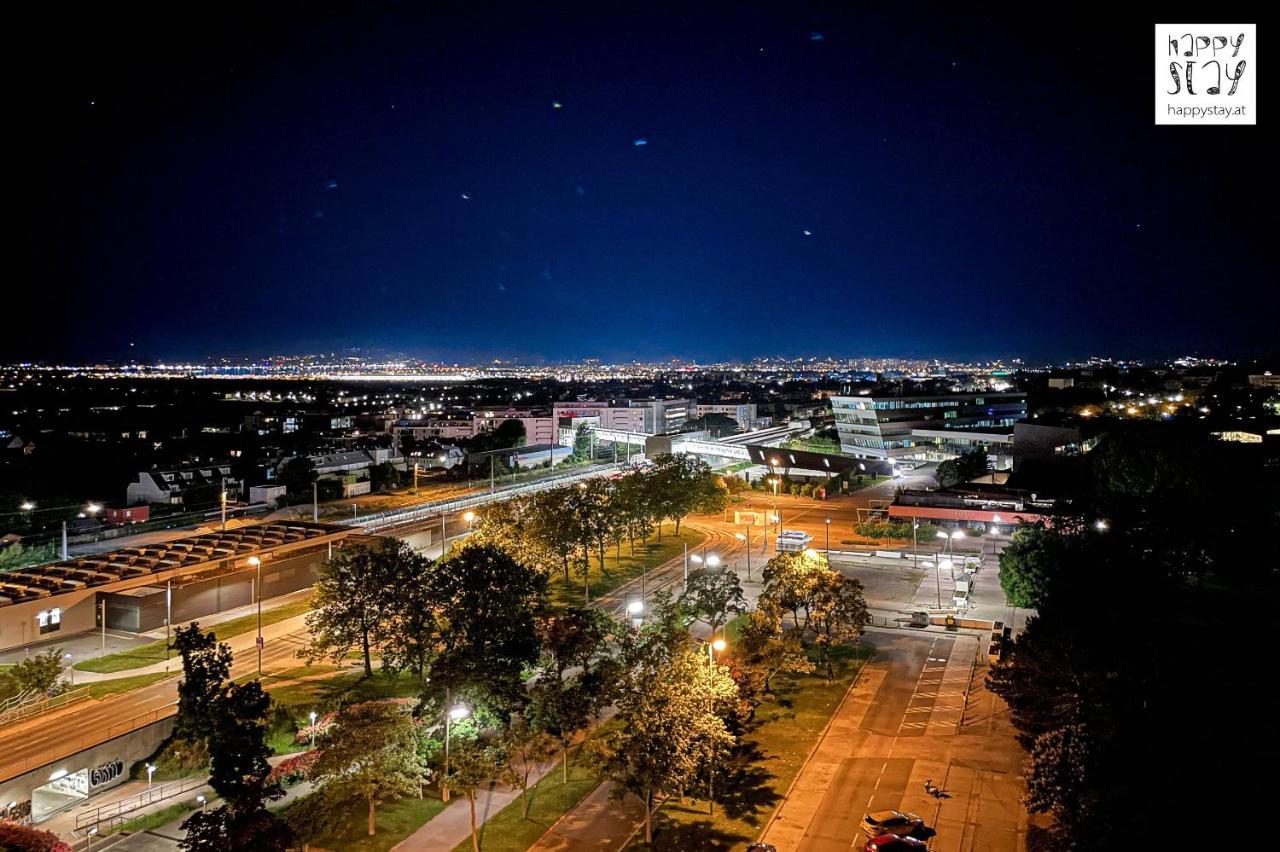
x=65, y=731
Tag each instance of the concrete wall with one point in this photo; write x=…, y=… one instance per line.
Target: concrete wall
x=18, y=624
x=128, y=748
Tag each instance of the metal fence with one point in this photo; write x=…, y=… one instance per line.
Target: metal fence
x=72, y=745
x=39, y=704
x=112, y=812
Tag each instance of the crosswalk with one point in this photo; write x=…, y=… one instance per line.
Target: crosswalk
x=937, y=703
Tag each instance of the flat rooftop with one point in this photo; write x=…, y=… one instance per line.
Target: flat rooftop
x=189, y=552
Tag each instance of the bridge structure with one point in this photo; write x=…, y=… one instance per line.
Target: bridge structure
x=393, y=518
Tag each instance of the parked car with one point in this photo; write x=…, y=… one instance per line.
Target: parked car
x=894, y=843
x=891, y=822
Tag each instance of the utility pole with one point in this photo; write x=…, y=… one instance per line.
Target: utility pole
x=102, y=607
x=65, y=555
x=315, y=502
x=168, y=616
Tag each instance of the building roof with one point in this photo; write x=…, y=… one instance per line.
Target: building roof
x=185, y=553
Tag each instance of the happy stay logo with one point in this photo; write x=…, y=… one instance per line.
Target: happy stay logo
x=1206, y=74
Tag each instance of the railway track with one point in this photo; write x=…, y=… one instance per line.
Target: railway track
x=669, y=576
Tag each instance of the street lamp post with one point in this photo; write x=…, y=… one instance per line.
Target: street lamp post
x=451, y=715
x=712, y=647
x=257, y=565
x=151, y=769
x=415, y=479
x=958, y=534
x=747, y=540
x=313, y=729
x=71, y=671
x=469, y=517
x=937, y=572
x=828, y=522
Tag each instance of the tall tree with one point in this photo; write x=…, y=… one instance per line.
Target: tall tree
x=769, y=650
x=407, y=638
x=685, y=484
x=238, y=773
x=371, y=753
x=296, y=475
x=789, y=583
x=525, y=746
x=354, y=597
x=670, y=734
x=206, y=664
x=573, y=637
x=714, y=596
x=471, y=766
x=839, y=614
x=559, y=708
x=485, y=604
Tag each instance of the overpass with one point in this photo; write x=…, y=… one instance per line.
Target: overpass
x=678, y=443
x=392, y=518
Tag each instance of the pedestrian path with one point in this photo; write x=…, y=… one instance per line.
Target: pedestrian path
x=596, y=823
x=452, y=825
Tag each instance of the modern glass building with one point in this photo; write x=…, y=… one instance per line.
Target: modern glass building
x=928, y=428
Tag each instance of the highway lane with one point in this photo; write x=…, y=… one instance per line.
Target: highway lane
x=67, y=730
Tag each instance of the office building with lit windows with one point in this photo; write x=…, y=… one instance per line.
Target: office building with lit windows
x=929, y=428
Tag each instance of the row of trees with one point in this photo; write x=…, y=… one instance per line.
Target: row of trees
x=1117, y=686
x=476, y=631
x=561, y=529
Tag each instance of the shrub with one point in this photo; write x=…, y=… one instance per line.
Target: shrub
x=180, y=758
x=16, y=837
x=294, y=768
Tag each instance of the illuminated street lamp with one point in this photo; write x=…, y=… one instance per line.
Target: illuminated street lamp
x=257, y=585
x=713, y=647
x=151, y=770
x=454, y=714
x=1101, y=525
x=744, y=539
x=201, y=801
x=71, y=672
x=313, y=728
x=469, y=517
x=93, y=508
x=713, y=560
x=27, y=506
x=828, y=523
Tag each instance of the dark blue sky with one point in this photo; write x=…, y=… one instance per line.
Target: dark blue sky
x=252, y=181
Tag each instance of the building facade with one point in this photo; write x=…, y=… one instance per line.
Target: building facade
x=742, y=412
x=927, y=428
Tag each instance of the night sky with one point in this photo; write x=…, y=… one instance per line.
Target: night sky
x=471, y=181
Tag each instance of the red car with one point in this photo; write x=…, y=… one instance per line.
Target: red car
x=894, y=843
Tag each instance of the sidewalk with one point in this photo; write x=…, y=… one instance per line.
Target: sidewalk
x=452, y=825
x=596, y=823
